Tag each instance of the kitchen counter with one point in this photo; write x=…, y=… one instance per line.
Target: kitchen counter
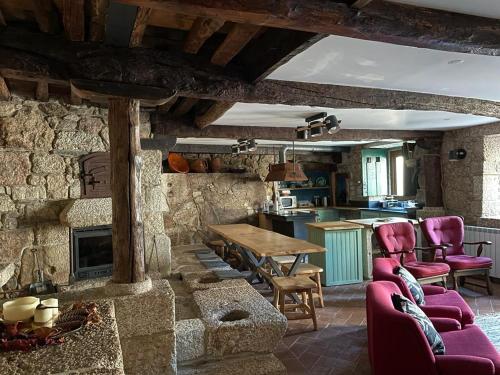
x=290, y=215
x=292, y=223
x=335, y=225
x=393, y=209
x=367, y=223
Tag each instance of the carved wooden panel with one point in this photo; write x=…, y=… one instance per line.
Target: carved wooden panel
x=95, y=175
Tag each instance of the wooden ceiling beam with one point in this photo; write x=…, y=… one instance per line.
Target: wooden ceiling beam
x=381, y=21
x=98, y=10
x=184, y=106
x=140, y=24
x=161, y=74
x=166, y=124
x=4, y=89
x=46, y=16
x=214, y=112
x=234, y=42
x=74, y=19
x=202, y=29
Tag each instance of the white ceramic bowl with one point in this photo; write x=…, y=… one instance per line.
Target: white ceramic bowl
x=20, y=309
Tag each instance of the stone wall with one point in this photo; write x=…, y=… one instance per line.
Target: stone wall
x=471, y=186
x=351, y=165
x=40, y=145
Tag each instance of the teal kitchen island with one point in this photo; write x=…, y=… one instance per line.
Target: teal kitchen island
x=342, y=262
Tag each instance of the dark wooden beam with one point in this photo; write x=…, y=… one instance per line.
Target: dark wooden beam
x=165, y=107
x=215, y=111
x=160, y=74
x=42, y=91
x=4, y=90
x=184, y=106
x=234, y=42
x=140, y=24
x=202, y=29
x=273, y=48
x=98, y=9
x=46, y=16
x=2, y=19
x=166, y=124
x=120, y=22
x=74, y=19
x=379, y=21
x=126, y=164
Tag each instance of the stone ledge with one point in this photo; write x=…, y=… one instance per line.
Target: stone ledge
x=489, y=222
x=189, y=339
x=93, y=350
x=80, y=213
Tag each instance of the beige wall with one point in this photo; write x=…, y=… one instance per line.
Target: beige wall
x=471, y=186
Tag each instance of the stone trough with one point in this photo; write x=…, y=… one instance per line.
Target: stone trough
x=234, y=327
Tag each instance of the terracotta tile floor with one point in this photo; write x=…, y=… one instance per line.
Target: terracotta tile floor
x=340, y=344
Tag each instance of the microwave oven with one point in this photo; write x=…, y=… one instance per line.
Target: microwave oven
x=289, y=201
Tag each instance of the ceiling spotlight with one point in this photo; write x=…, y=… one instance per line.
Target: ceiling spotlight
x=332, y=124
x=316, y=128
x=302, y=132
x=235, y=149
x=252, y=145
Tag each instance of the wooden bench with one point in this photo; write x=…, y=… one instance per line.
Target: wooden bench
x=312, y=271
x=219, y=247
x=301, y=285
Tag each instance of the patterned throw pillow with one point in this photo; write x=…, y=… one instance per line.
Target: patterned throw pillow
x=404, y=305
x=415, y=289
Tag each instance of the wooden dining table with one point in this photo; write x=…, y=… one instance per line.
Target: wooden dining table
x=258, y=246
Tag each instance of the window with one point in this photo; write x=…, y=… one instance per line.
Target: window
x=397, y=171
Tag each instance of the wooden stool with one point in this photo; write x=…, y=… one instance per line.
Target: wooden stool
x=284, y=259
x=313, y=272
x=295, y=284
x=219, y=247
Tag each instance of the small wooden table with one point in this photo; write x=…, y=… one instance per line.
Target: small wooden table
x=258, y=246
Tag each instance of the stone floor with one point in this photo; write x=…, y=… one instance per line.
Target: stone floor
x=340, y=344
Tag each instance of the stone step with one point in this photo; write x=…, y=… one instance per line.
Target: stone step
x=6, y=272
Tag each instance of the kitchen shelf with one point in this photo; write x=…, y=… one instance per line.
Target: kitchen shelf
x=306, y=188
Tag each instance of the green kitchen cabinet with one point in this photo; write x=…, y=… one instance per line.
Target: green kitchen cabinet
x=328, y=215
x=342, y=261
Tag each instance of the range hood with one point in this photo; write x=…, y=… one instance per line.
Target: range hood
x=285, y=171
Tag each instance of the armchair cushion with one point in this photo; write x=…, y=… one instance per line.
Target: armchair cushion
x=427, y=269
x=471, y=341
x=433, y=289
x=404, y=305
x=415, y=289
x=465, y=262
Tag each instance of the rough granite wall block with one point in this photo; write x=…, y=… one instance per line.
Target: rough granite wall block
x=14, y=167
x=87, y=213
x=189, y=339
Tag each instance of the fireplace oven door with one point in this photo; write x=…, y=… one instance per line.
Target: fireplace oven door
x=92, y=252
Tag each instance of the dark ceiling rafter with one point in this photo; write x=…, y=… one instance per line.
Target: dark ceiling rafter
x=165, y=124
x=74, y=19
x=42, y=56
x=379, y=20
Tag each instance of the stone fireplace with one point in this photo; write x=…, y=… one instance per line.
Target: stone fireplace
x=41, y=204
x=91, y=252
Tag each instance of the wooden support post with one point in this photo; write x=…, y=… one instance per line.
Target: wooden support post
x=140, y=24
x=42, y=91
x=4, y=90
x=128, y=230
x=74, y=19
x=98, y=9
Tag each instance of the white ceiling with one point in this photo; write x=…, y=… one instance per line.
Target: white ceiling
x=483, y=8
x=251, y=114
x=355, y=62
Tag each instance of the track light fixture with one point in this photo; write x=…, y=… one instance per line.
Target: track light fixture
x=244, y=146
x=315, y=125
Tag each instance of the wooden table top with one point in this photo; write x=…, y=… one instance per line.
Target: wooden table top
x=367, y=223
x=335, y=225
x=263, y=242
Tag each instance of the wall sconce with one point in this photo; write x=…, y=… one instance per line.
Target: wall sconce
x=302, y=132
x=457, y=154
x=316, y=129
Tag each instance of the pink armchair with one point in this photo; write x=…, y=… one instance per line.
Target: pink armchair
x=439, y=302
x=449, y=231
x=397, y=241
x=397, y=344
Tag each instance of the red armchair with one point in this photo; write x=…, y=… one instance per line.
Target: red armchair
x=397, y=344
x=449, y=231
x=397, y=241
x=439, y=302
